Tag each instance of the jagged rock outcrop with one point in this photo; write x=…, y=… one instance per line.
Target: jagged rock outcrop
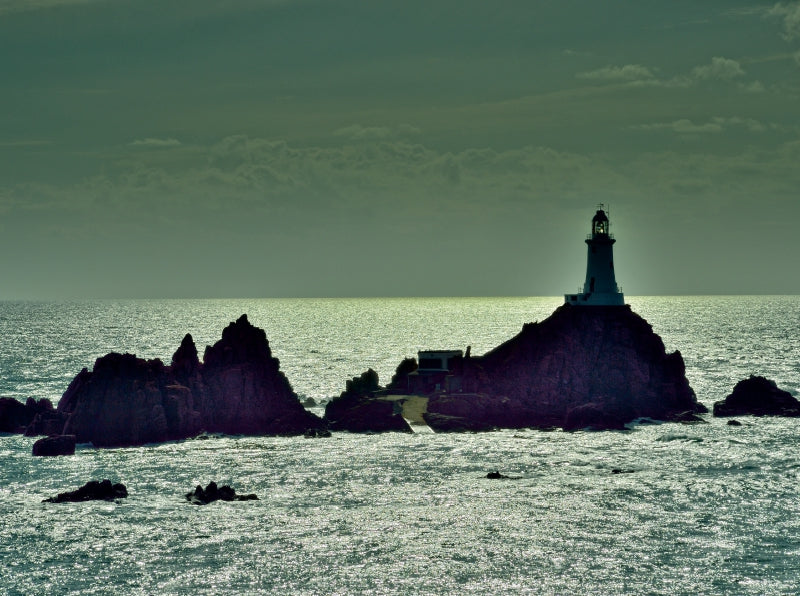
x=48, y=422
x=358, y=409
x=584, y=366
x=757, y=396
x=50, y=446
x=211, y=493
x=238, y=389
x=16, y=416
x=92, y=491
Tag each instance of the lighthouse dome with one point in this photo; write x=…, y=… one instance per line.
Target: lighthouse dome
x=600, y=223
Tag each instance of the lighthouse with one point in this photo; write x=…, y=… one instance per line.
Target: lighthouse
x=600, y=287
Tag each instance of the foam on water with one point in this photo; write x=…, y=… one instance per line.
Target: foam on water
x=702, y=509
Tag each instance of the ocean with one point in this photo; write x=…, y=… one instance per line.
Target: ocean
x=702, y=509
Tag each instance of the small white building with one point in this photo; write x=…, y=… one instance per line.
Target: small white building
x=600, y=287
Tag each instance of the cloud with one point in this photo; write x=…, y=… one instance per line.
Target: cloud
x=684, y=126
x=357, y=132
x=720, y=68
x=361, y=133
x=753, y=87
x=751, y=124
x=629, y=72
x=151, y=142
x=713, y=126
x=638, y=75
x=790, y=13
x=276, y=182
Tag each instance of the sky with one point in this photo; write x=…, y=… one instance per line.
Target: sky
x=314, y=148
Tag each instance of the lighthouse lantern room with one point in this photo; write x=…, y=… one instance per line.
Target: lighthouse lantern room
x=600, y=287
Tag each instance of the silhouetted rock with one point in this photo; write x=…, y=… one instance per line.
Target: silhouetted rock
x=496, y=475
x=734, y=423
x=185, y=362
x=317, y=433
x=405, y=368
x=59, y=445
x=16, y=417
x=211, y=493
x=92, y=491
x=244, y=391
x=365, y=385
x=48, y=422
x=123, y=401
x=757, y=396
x=238, y=389
x=359, y=410
x=594, y=367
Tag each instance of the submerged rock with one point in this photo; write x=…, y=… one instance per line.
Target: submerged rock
x=688, y=418
x=60, y=445
x=237, y=389
x=596, y=416
x=92, y=491
x=211, y=493
x=757, y=396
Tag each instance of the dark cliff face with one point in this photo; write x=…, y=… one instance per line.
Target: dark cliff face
x=596, y=366
x=121, y=402
x=126, y=400
x=244, y=389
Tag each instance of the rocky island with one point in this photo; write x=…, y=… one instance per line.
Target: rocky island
x=597, y=367
x=593, y=363
x=237, y=389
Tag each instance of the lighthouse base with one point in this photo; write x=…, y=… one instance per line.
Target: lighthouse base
x=595, y=299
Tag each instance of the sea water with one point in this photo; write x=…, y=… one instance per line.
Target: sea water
x=699, y=509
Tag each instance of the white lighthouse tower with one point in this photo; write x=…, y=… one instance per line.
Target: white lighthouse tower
x=600, y=287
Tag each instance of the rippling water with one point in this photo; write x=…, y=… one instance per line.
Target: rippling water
x=704, y=509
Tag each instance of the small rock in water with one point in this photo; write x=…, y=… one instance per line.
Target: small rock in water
x=758, y=396
x=496, y=475
x=316, y=433
x=734, y=423
x=211, y=493
x=621, y=471
x=92, y=491
x=52, y=446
